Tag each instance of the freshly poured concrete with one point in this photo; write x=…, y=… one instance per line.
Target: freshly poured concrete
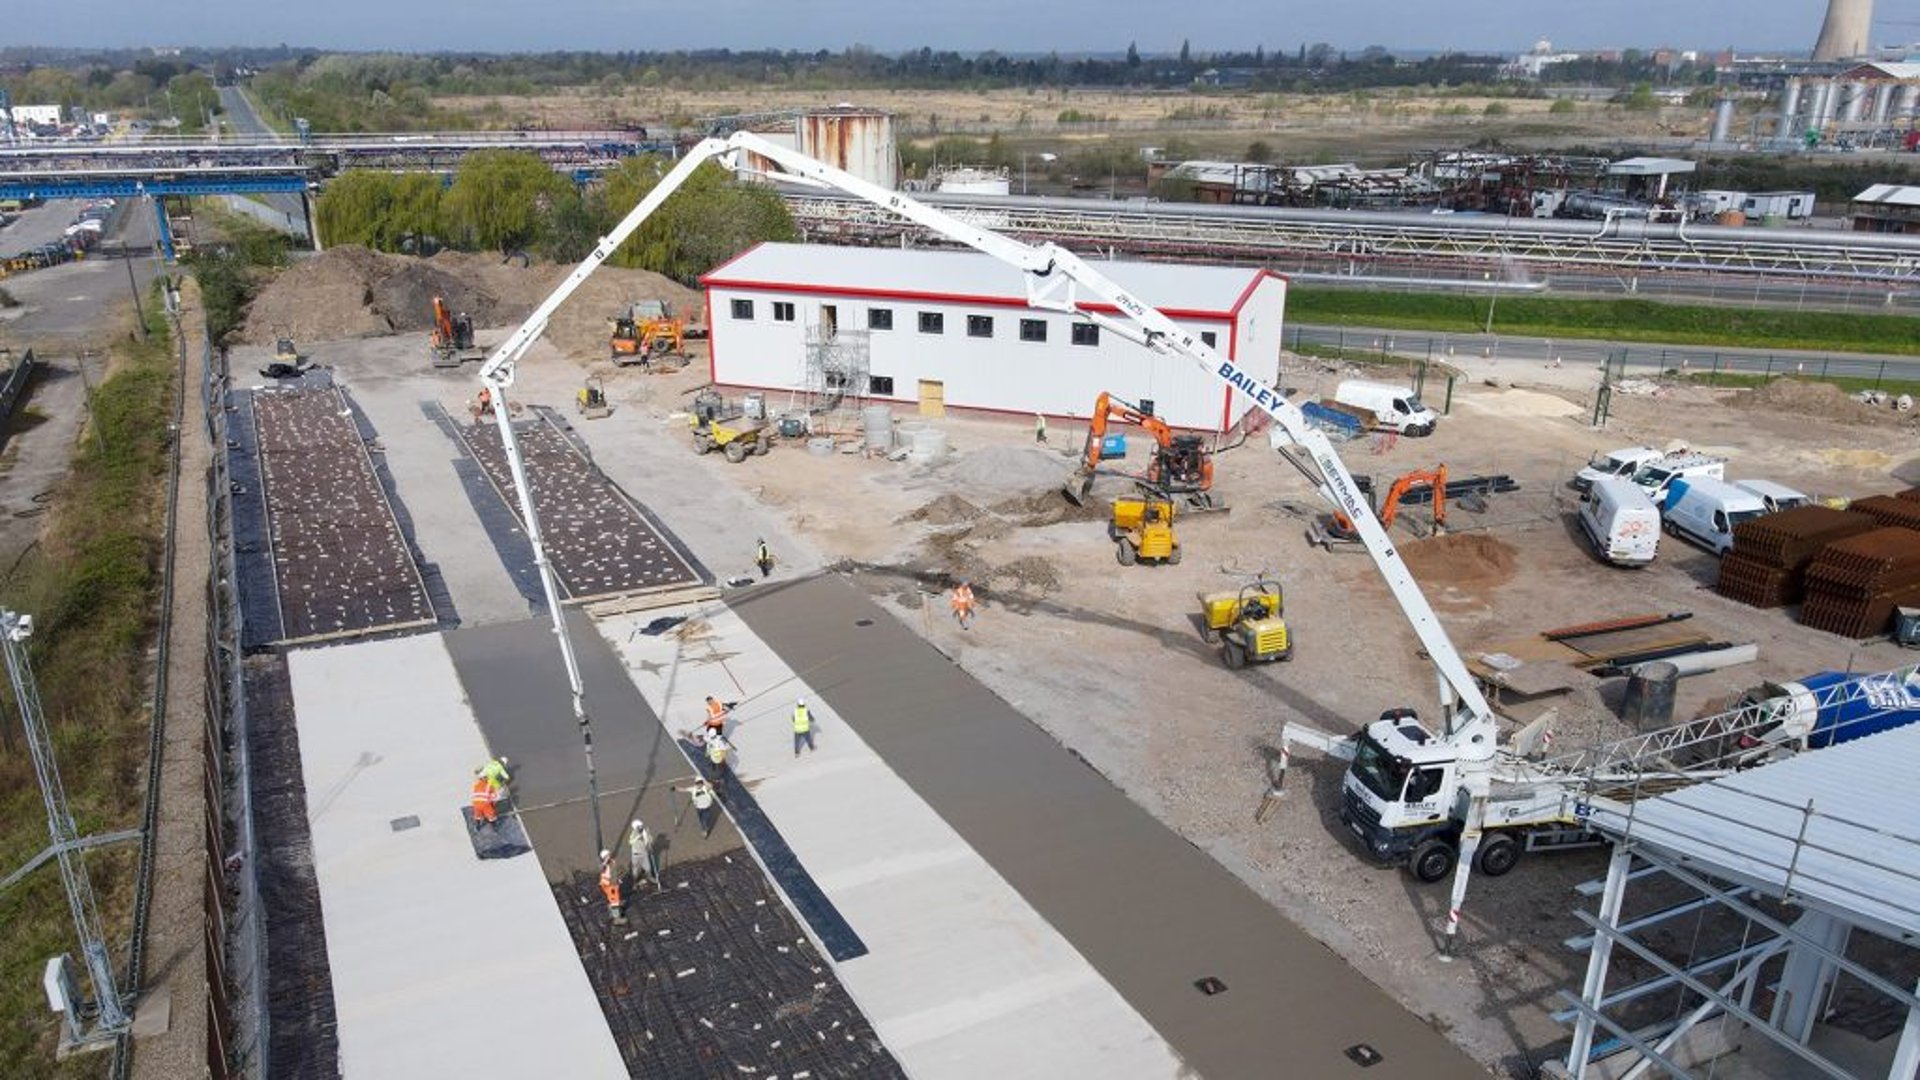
x=1150, y=913
x=962, y=979
x=443, y=965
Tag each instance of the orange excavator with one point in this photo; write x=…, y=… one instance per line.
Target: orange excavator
x=452, y=338
x=1337, y=529
x=1182, y=465
x=648, y=331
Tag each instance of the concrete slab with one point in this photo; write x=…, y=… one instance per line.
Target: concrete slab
x=961, y=978
x=427, y=944
x=1149, y=911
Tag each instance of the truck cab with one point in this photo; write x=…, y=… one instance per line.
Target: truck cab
x=1398, y=796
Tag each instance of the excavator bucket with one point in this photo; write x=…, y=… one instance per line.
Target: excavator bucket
x=1078, y=487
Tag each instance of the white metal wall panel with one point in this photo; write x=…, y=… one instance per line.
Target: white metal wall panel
x=1001, y=373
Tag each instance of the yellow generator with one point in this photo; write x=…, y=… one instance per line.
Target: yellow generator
x=1247, y=624
x=1142, y=530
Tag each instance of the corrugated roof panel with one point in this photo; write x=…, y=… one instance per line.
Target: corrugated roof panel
x=1890, y=195
x=1172, y=287
x=1857, y=852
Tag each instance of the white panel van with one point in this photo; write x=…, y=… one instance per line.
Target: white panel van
x=1777, y=496
x=1622, y=462
x=1394, y=408
x=1654, y=478
x=1620, y=521
x=1705, y=510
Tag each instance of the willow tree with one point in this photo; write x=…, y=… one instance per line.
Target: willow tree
x=380, y=210
x=500, y=199
x=712, y=218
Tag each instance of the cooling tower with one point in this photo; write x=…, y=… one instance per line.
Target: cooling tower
x=1844, y=34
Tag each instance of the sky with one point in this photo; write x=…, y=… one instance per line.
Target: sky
x=969, y=25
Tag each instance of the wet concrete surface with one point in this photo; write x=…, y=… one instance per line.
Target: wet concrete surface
x=1152, y=913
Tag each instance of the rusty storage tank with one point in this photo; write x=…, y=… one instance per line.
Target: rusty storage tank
x=1722, y=129
x=855, y=139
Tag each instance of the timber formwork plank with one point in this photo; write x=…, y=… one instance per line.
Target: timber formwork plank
x=602, y=543
x=342, y=564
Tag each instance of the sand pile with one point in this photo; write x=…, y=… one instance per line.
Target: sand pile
x=1461, y=560
x=1825, y=401
x=1007, y=469
x=351, y=292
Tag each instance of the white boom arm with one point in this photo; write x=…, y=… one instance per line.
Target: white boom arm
x=1052, y=274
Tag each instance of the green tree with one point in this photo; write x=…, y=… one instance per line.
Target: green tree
x=380, y=210
x=1259, y=151
x=500, y=199
x=1186, y=52
x=712, y=218
x=1133, y=55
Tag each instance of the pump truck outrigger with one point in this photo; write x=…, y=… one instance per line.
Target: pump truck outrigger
x=1053, y=275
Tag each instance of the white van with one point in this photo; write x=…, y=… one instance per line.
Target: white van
x=1705, y=510
x=1622, y=523
x=1778, y=497
x=1654, y=478
x=1623, y=462
x=1394, y=408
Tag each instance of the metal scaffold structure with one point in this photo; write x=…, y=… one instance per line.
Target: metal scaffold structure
x=105, y=1011
x=838, y=366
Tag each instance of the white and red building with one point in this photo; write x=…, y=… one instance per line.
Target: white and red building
x=955, y=327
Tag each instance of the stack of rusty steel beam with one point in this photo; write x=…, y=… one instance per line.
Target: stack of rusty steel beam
x=1911, y=494
x=1854, y=585
x=1771, y=553
x=1889, y=510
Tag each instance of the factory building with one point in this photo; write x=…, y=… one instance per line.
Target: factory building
x=948, y=329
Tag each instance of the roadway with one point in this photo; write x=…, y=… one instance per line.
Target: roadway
x=245, y=120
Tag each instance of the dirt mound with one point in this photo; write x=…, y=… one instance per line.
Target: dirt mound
x=1049, y=508
x=325, y=297
x=1463, y=560
x=1031, y=572
x=946, y=510
x=1825, y=401
x=1008, y=469
x=405, y=297
x=352, y=292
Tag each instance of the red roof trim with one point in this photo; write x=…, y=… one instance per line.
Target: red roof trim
x=855, y=292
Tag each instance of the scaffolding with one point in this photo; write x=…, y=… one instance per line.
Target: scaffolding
x=838, y=369
x=1724, y=943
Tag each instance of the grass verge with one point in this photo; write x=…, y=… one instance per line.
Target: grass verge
x=91, y=585
x=1614, y=320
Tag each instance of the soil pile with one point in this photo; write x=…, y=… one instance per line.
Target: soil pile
x=1007, y=469
x=1462, y=560
x=1825, y=401
x=352, y=292
x=1031, y=572
x=946, y=510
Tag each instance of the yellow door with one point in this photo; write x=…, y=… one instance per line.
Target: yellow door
x=933, y=397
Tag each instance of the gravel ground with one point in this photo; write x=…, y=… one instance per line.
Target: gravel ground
x=1108, y=658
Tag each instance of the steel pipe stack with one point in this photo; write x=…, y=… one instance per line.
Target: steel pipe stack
x=1888, y=510
x=1855, y=584
x=1770, y=554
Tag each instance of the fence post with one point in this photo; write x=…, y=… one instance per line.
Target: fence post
x=1769, y=376
x=1713, y=378
x=1343, y=344
x=1823, y=366
x=1881, y=375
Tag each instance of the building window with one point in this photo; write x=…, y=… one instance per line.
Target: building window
x=879, y=318
x=1208, y=338
x=880, y=385
x=782, y=311
x=743, y=309
x=1086, y=333
x=932, y=322
x=979, y=326
x=1033, y=329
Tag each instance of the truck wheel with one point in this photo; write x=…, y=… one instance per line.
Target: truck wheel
x=1433, y=860
x=761, y=446
x=736, y=451
x=702, y=445
x=1497, y=854
x=1233, y=655
x=1174, y=559
x=1124, y=552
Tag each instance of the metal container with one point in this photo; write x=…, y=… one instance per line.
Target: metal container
x=793, y=425
x=929, y=445
x=1649, y=701
x=1113, y=447
x=754, y=405
x=1722, y=121
x=876, y=424
x=857, y=140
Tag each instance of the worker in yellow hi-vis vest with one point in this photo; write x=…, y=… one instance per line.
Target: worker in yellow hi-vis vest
x=802, y=727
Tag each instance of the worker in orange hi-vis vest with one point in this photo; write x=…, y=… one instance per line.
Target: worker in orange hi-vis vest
x=716, y=716
x=962, y=603
x=610, y=888
x=486, y=793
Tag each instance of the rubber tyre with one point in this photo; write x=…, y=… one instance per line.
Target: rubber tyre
x=1433, y=860
x=1232, y=655
x=762, y=446
x=1174, y=559
x=702, y=445
x=1124, y=552
x=736, y=451
x=1498, y=853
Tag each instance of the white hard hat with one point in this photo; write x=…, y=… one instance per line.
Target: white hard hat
x=505, y=760
x=803, y=701
x=637, y=824
x=605, y=855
